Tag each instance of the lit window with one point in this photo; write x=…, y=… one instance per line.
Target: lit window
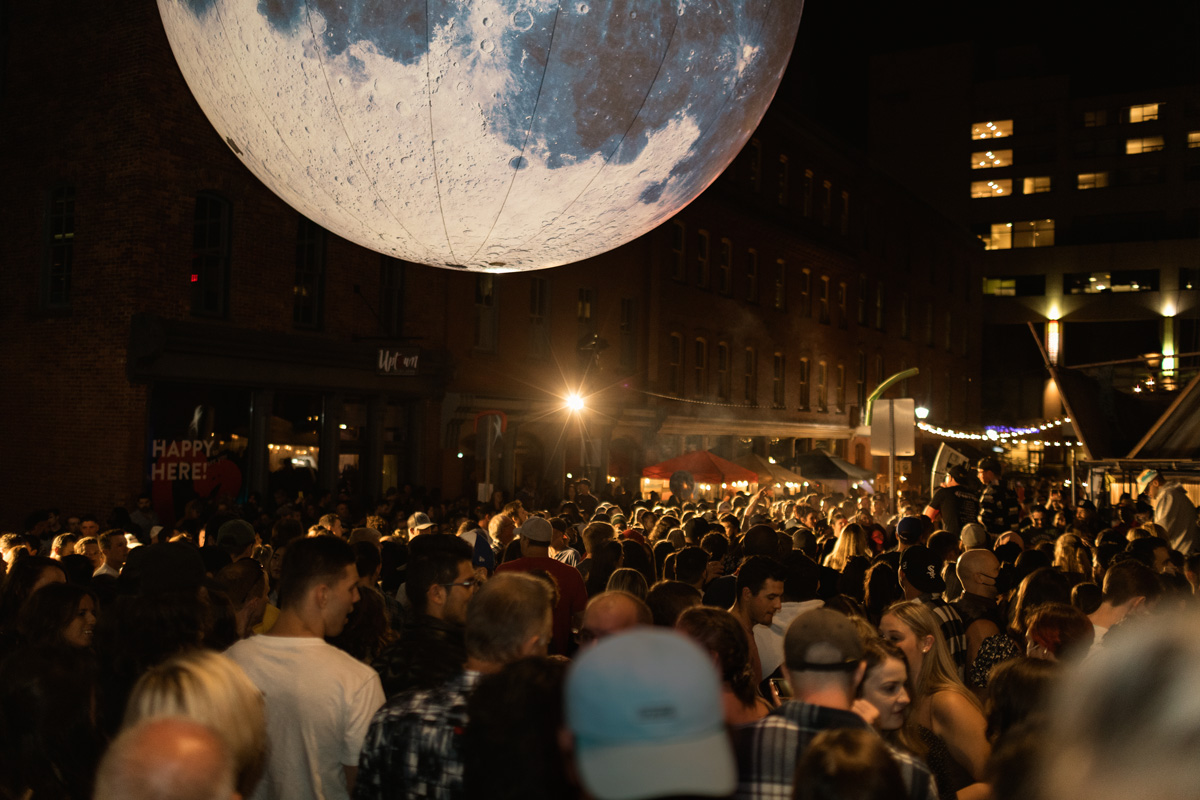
x=1132, y=280
x=1001, y=238
x=1002, y=188
x=1092, y=180
x=1095, y=119
x=1193, y=138
x=986, y=159
x=1035, y=233
x=1143, y=113
x=1037, y=184
x=994, y=129
x=1015, y=286
x=1149, y=144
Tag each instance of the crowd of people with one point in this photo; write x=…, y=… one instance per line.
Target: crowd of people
x=975, y=644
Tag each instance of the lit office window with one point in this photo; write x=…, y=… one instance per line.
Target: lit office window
x=1091, y=180
x=1131, y=280
x=1034, y=233
x=986, y=159
x=1001, y=238
x=1001, y=188
x=1148, y=144
x=994, y=129
x=1193, y=138
x=1143, y=113
x=1037, y=184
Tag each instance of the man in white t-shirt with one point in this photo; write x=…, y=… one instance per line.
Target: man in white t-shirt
x=319, y=699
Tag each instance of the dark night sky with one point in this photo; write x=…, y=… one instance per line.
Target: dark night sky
x=1155, y=42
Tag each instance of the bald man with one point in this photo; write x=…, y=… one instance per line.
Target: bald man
x=610, y=612
x=166, y=758
x=978, y=571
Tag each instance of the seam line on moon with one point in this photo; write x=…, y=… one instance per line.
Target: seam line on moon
x=437, y=181
x=258, y=102
x=617, y=146
x=528, y=132
x=350, y=139
x=771, y=5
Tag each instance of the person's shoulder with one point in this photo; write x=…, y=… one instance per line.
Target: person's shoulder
x=949, y=705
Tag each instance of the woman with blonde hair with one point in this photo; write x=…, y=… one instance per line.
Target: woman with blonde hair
x=208, y=688
x=945, y=715
x=851, y=542
x=1072, y=555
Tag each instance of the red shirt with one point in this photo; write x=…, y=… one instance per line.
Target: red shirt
x=572, y=593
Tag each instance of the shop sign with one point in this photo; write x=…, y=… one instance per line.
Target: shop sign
x=398, y=361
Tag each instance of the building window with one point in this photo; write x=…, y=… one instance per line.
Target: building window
x=675, y=364
x=1193, y=139
x=700, y=367
x=1095, y=119
x=539, y=317
x=782, y=195
x=391, y=294
x=485, y=313
x=309, y=289
x=1037, y=184
x=845, y=223
x=879, y=375
x=1147, y=144
x=990, y=159
x=840, y=388
x=1189, y=278
x=755, y=166
x=998, y=188
x=702, y=263
x=826, y=203
x=860, y=388
x=752, y=275
x=725, y=267
x=1130, y=280
x=823, y=300
x=992, y=130
x=777, y=393
x=679, y=251
x=583, y=311
x=1143, y=113
x=780, y=298
x=1091, y=180
x=822, y=383
x=805, y=293
x=628, y=334
x=808, y=192
x=879, y=306
x=60, y=248
x=1034, y=233
x=841, y=304
x=860, y=301
x=723, y=377
x=750, y=374
x=802, y=378
x=211, y=251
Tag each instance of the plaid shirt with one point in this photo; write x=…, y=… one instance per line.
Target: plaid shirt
x=768, y=750
x=953, y=630
x=414, y=746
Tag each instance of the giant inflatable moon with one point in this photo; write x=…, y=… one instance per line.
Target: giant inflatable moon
x=490, y=135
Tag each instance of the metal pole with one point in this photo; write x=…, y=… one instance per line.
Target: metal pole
x=893, y=495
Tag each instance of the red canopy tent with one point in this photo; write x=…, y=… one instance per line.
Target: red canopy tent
x=704, y=466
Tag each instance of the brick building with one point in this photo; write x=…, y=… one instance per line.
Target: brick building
x=170, y=325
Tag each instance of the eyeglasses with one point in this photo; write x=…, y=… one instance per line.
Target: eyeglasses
x=468, y=584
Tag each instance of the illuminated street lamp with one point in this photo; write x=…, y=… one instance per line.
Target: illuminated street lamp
x=574, y=402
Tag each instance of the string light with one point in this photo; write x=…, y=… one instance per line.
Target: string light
x=1001, y=433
